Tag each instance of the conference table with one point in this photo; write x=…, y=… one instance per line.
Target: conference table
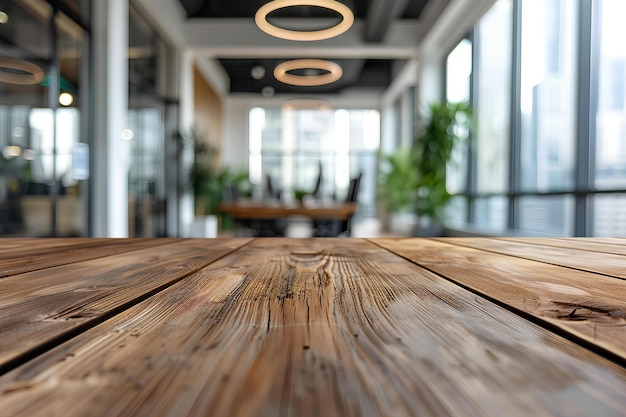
x=250, y=211
x=313, y=327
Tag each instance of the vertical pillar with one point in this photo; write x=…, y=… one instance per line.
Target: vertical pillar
x=110, y=153
x=186, y=112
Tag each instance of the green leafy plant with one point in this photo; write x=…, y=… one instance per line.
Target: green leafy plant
x=398, y=181
x=204, y=177
x=432, y=151
x=207, y=179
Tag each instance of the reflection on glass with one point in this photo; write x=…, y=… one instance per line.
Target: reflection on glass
x=547, y=214
x=491, y=213
x=456, y=212
x=609, y=215
x=494, y=35
x=38, y=142
x=610, y=117
x=458, y=81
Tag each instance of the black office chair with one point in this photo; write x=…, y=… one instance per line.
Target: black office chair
x=326, y=227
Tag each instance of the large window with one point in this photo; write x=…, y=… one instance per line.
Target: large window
x=290, y=147
x=549, y=93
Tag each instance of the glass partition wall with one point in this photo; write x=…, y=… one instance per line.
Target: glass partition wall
x=146, y=130
x=42, y=71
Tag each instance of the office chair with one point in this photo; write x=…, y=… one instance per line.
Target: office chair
x=324, y=227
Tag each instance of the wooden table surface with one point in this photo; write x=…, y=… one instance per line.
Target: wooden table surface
x=313, y=327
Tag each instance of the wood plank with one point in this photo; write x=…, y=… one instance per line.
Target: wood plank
x=589, y=306
x=44, y=307
x=9, y=246
x=601, y=263
x=327, y=327
x=604, y=245
x=46, y=253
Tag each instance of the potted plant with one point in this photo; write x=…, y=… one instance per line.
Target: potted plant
x=208, y=182
x=432, y=151
x=398, y=186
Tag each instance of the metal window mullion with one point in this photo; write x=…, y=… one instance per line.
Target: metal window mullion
x=472, y=161
x=54, y=77
x=587, y=106
x=515, y=143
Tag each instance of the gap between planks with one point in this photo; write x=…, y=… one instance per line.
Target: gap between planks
x=573, y=326
x=608, y=264
x=67, y=334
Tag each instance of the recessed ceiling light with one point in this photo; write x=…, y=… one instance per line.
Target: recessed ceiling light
x=257, y=72
x=66, y=99
x=127, y=134
x=268, y=91
x=297, y=35
x=332, y=74
x=4, y=18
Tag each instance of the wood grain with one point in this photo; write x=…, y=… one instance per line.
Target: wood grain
x=615, y=246
x=43, y=307
x=327, y=327
x=18, y=257
x=571, y=257
x=586, y=305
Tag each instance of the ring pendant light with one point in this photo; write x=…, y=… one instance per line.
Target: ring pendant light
x=296, y=35
x=281, y=72
x=30, y=73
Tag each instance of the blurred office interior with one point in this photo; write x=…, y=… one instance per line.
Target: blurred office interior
x=101, y=102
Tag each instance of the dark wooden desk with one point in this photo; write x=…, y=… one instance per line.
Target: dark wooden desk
x=260, y=210
x=315, y=327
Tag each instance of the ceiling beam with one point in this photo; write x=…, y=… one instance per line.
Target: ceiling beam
x=242, y=38
x=380, y=16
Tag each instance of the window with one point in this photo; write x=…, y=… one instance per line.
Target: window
x=458, y=85
x=458, y=89
x=548, y=94
x=541, y=95
x=492, y=107
x=610, y=119
x=547, y=214
x=289, y=147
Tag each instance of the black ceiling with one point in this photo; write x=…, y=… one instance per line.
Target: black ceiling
x=248, y=8
x=359, y=74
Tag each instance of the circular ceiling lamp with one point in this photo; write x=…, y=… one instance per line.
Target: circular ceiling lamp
x=298, y=35
x=20, y=72
x=331, y=72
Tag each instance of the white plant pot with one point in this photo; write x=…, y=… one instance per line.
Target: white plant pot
x=403, y=223
x=204, y=226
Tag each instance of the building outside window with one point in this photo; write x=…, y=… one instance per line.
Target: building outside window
x=493, y=55
x=610, y=119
